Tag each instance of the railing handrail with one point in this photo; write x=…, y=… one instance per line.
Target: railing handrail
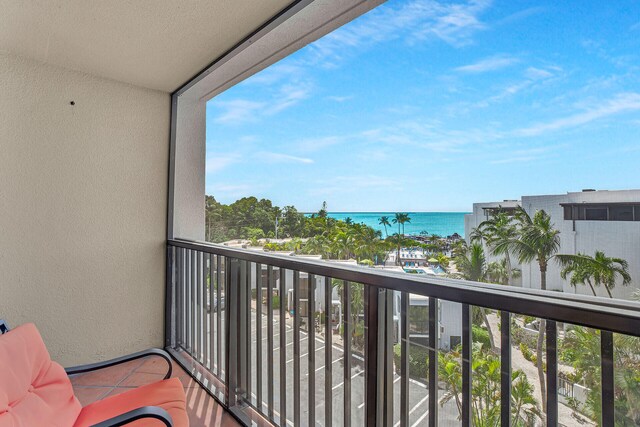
x=612, y=315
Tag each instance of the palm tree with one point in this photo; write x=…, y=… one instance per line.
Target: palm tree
x=398, y=220
x=499, y=272
x=405, y=219
x=396, y=239
x=597, y=270
x=539, y=241
x=578, y=266
x=366, y=242
x=485, y=394
x=498, y=232
x=384, y=221
x=472, y=265
x=342, y=245
x=443, y=260
x=348, y=220
x=401, y=219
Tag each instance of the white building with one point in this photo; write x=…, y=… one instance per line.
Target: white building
x=608, y=221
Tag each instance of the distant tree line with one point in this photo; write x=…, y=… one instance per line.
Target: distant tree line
x=255, y=219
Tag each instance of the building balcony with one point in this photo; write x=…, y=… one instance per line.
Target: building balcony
x=257, y=333
x=203, y=410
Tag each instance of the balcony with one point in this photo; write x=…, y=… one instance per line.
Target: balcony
x=203, y=409
x=101, y=208
x=340, y=366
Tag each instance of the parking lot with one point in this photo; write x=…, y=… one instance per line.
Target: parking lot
x=418, y=400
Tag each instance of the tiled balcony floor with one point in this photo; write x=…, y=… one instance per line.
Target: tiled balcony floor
x=203, y=409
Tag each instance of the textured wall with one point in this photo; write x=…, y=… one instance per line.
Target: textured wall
x=83, y=193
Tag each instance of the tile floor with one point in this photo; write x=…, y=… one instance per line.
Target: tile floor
x=203, y=409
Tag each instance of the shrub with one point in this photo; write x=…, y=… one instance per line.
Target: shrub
x=481, y=335
x=418, y=360
x=524, y=349
x=275, y=302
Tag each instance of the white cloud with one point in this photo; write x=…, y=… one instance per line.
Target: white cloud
x=416, y=20
x=276, y=73
x=280, y=158
x=488, y=64
x=222, y=188
x=621, y=103
x=289, y=95
x=340, y=98
x=453, y=23
x=533, y=77
x=242, y=110
x=534, y=73
x=216, y=162
x=315, y=144
x=522, y=14
x=238, y=110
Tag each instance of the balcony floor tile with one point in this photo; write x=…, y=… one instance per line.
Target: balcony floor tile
x=203, y=409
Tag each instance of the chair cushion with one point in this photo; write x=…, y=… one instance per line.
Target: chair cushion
x=34, y=391
x=168, y=394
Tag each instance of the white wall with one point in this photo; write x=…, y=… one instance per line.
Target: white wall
x=619, y=239
x=83, y=197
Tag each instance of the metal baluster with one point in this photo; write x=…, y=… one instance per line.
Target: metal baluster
x=505, y=369
x=552, y=374
x=346, y=290
x=296, y=348
x=466, y=365
x=404, y=359
x=374, y=364
x=328, y=353
x=180, y=299
x=259, y=336
x=283, y=352
x=433, y=362
x=231, y=361
x=170, y=298
x=186, y=298
x=270, y=348
x=198, y=347
x=386, y=354
x=219, y=331
x=311, y=308
x=204, y=349
x=243, y=351
x=212, y=328
x=192, y=302
x=607, y=378
x=248, y=334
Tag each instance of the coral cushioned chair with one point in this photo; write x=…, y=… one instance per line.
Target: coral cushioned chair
x=35, y=391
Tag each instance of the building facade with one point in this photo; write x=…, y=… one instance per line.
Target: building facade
x=607, y=221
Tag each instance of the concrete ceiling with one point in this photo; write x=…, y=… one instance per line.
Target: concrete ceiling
x=157, y=44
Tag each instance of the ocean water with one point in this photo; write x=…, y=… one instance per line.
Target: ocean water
x=441, y=223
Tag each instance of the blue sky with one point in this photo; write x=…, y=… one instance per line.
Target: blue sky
x=431, y=106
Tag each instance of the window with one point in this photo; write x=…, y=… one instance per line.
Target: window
x=621, y=213
x=596, y=214
x=418, y=320
x=601, y=212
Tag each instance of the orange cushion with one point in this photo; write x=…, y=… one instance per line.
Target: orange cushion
x=168, y=394
x=34, y=391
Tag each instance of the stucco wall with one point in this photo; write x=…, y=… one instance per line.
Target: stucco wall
x=615, y=238
x=83, y=193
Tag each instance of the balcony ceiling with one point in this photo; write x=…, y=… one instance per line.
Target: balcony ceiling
x=157, y=44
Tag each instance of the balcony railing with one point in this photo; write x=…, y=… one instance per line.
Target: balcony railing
x=305, y=342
